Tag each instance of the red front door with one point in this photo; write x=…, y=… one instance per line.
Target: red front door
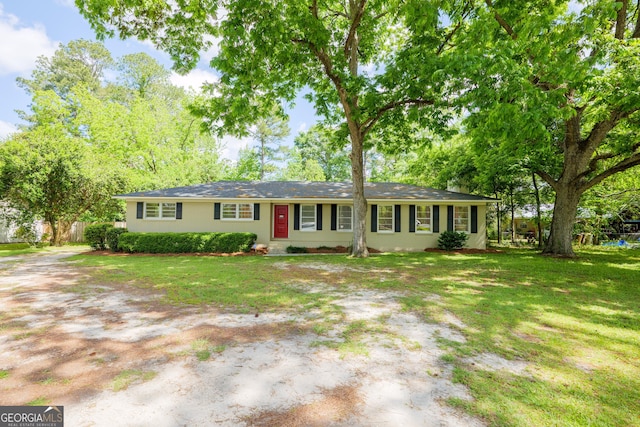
x=281, y=222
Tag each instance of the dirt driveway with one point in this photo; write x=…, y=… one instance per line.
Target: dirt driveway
x=114, y=355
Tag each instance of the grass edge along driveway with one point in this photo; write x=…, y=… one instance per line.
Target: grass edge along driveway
x=576, y=322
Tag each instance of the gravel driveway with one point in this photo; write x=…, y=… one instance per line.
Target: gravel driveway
x=114, y=354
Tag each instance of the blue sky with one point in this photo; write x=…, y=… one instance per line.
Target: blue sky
x=31, y=28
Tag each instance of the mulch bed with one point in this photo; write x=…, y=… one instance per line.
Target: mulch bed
x=109, y=253
x=465, y=251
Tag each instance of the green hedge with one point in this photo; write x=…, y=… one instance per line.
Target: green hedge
x=112, y=238
x=96, y=235
x=165, y=243
x=451, y=240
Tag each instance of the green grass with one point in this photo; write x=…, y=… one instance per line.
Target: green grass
x=4, y=374
x=575, y=321
x=124, y=379
x=15, y=249
x=40, y=401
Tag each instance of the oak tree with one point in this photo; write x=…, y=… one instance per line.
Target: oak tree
x=370, y=65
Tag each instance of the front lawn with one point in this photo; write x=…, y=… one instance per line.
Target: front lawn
x=575, y=322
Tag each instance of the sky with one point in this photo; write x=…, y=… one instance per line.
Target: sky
x=32, y=28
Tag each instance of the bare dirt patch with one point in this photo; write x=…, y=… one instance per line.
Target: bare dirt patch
x=336, y=405
x=67, y=340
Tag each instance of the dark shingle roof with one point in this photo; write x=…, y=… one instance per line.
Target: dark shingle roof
x=303, y=190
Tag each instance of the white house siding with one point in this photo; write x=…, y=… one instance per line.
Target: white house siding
x=198, y=216
x=403, y=241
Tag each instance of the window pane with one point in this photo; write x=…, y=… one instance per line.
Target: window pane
x=229, y=210
x=168, y=210
x=461, y=218
x=385, y=218
x=423, y=218
x=345, y=218
x=307, y=217
x=152, y=210
x=245, y=211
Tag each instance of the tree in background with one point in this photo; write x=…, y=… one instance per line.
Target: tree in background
x=130, y=134
x=268, y=132
x=47, y=173
x=557, y=86
x=321, y=144
x=247, y=167
x=80, y=62
x=269, y=50
x=299, y=169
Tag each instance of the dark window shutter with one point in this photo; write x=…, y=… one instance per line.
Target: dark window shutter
x=296, y=216
x=474, y=219
x=412, y=218
x=334, y=217
x=256, y=211
x=398, y=222
x=436, y=219
x=216, y=211
x=140, y=210
x=374, y=218
x=179, y=210
x=319, y=216
x=449, y=218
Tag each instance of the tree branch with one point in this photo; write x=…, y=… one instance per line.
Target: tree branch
x=621, y=20
x=547, y=178
x=636, y=32
x=601, y=129
x=449, y=36
x=369, y=123
x=501, y=21
x=623, y=165
x=355, y=23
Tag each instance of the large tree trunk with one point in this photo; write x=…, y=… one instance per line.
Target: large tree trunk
x=538, y=208
x=359, y=202
x=564, y=216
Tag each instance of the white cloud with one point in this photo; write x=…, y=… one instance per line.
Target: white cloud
x=302, y=127
x=232, y=145
x=6, y=129
x=21, y=45
x=194, y=79
x=67, y=3
x=214, y=50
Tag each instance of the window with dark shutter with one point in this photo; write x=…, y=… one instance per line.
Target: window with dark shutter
x=318, y=217
x=474, y=219
x=179, y=210
x=412, y=218
x=436, y=218
x=216, y=211
x=374, y=218
x=296, y=216
x=334, y=217
x=397, y=216
x=256, y=211
x=140, y=210
x=449, y=218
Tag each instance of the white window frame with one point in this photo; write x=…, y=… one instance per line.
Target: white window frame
x=236, y=216
x=314, y=210
x=339, y=213
x=161, y=207
x=418, y=223
x=457, y=219
x=392, y=210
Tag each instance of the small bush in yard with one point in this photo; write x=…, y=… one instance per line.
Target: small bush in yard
x=297, y=250
x=96, y=235
x=452, y=240
x=159, y=243
x=112, y=236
